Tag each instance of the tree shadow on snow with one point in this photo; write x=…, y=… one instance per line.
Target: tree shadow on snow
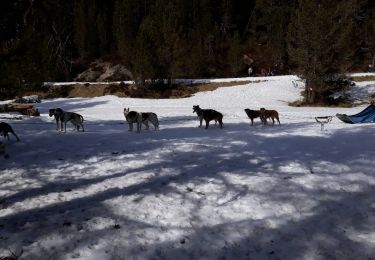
x=300, y=193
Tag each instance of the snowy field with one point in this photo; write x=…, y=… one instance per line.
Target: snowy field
x=242, y=192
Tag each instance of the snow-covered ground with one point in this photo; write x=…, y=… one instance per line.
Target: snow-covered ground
x=183, y=192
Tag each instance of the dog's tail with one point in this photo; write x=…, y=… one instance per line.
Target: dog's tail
x=81, y=117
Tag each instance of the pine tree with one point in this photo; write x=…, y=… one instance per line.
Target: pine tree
x=316, y=40
x=270, y=26
x=144, y=61
x=234, y=55
x=370, y=32
x=80, y=28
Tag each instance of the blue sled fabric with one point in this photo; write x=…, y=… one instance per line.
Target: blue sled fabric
x=365, y=116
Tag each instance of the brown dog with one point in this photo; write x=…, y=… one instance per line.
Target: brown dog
x=265, y=114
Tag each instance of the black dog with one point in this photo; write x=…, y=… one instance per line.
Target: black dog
x=252, y=114
x=208, y=115
x=5, y=129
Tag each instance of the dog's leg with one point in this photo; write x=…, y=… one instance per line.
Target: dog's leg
x=146, y=124
x=156, y=123
x=139, y=123
x=139, y=126
x=200, y=121
x=130, y=127
x=15, y=136
x=252, y=121
x=264, y=120
x=83, y=129
x=207, y=123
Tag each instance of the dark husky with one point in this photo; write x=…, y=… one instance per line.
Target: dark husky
x=208, y=115
x=252, y=114
x=140, y=118
x=5, y=129
x=63, y=117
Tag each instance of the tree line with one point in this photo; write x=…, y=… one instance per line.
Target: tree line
x=166, y=39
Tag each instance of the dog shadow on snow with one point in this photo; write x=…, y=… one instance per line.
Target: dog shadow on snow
x=289, y=182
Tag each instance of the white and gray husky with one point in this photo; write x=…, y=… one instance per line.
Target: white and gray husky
x=140, y=118
x=63, y=117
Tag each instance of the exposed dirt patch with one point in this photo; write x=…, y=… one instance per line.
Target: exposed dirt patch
x=363, y=78
x=339, y=102
x=129, y=90
x=213, y=86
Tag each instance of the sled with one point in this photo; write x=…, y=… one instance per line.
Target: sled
x=365, y=116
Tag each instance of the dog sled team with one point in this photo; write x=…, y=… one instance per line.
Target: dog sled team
x=62, y=117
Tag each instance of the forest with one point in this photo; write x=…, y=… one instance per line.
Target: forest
x=166, y=39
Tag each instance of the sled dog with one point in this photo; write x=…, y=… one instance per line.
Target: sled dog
x=140, y=118
x=208, y=115
x=252, y=114
x=5, y=129
x=265, y=114
x=63, y=117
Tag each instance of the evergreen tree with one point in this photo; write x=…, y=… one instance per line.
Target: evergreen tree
x=144, y=61
x=234, y=56
x=316, y=40
x=370, y=31
x=40, y=40
x=270, y=26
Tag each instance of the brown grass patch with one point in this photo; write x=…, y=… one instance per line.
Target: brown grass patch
x=86, y=91
x=214, y=86
x=126, y=90
x=327, y=103
x=299, y=103
x=363, y=78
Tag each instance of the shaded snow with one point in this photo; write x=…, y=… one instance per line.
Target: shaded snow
x=241, y=192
